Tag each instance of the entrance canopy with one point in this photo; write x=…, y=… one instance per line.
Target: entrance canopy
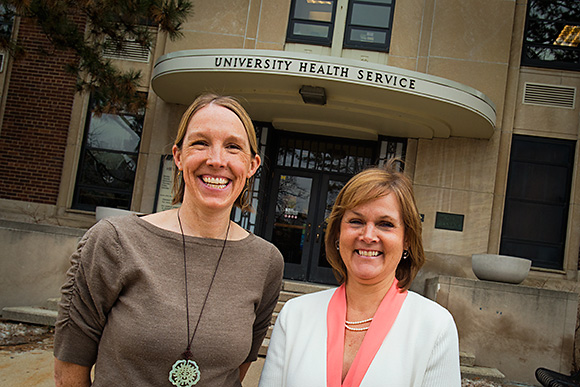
x=328, y=95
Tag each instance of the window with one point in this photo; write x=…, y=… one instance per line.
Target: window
x=368, y=24
x=537, y=200
x=108, y=161
x=311, y=21
x=552, y=34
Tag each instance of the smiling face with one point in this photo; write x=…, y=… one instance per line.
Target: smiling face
x=372, y=240
x=215, y=158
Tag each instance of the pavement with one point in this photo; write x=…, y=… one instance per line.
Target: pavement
x=29, y=368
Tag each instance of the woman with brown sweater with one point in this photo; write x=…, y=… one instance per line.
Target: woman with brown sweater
x=182, y=297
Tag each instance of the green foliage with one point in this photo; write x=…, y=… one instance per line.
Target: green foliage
x=110, y=23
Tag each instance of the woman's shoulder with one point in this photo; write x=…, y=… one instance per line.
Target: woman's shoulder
x=254, y=243
x=117, y=221
x=305, y=313
x=108, y=226
x=115, y=224
x=258, y=241
x=127, y=229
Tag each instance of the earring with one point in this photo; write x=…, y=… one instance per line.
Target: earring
x=405, y=254
x=337, y=245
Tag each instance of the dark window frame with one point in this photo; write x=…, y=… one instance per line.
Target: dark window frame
x=78, y=203
x=349, y=26
x=529, y=46
x=532, y=202
x=293, y=38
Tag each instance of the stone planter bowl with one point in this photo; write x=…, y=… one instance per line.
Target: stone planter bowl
x=107, y=212
x=500, y=268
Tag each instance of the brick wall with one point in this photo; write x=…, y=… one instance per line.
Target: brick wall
x=34, y=131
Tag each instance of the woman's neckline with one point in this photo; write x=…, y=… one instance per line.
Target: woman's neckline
x=176, y=234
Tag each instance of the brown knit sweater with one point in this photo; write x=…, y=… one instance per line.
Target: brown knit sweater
x=123, y=304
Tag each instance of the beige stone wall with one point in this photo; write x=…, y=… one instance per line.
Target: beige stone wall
x=513, y=328
x=456, y=176
x=546, y=121
x=34, y=260
x=234, y=24
x=158, y=135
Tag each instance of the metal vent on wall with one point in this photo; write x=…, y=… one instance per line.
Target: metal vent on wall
x=549, y=95
x=131, y=51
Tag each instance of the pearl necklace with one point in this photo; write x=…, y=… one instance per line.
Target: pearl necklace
x=347, y=323
x=358, y=322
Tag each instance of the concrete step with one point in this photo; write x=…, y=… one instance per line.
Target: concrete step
x=278, y=307
x=477, y=372
x=466, y=359
x=292, y=289
x=286, y=295
x=29, y=314
x=303, y=287
x=264, y=347
x=52, y=303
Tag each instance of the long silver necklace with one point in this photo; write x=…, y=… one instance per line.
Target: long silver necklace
x=185, y=372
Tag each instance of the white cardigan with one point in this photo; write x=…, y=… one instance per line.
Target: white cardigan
x=421, y=349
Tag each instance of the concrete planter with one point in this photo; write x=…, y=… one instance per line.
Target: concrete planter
x=500, y=268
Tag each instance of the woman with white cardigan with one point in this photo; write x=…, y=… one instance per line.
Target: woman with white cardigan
x=370, y=331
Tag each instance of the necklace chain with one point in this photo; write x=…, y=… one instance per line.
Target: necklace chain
x=187, y=354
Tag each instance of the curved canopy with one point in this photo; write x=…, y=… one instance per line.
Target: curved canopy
x=345, y=98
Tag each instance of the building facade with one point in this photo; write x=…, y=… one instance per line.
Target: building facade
x=478, y=97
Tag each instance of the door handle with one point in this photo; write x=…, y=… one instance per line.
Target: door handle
x=308, y=227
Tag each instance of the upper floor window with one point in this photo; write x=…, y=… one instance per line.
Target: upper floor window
x=552, y=34
x=368, y=24
x=311, y=21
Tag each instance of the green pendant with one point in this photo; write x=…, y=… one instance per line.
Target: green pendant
x=184, y=373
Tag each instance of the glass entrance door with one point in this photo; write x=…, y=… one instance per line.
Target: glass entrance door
x=320, y=269
x=307, y=174
x=302, y=203
x=291, y=225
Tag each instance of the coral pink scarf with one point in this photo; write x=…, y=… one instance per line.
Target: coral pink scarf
x=378, y=330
